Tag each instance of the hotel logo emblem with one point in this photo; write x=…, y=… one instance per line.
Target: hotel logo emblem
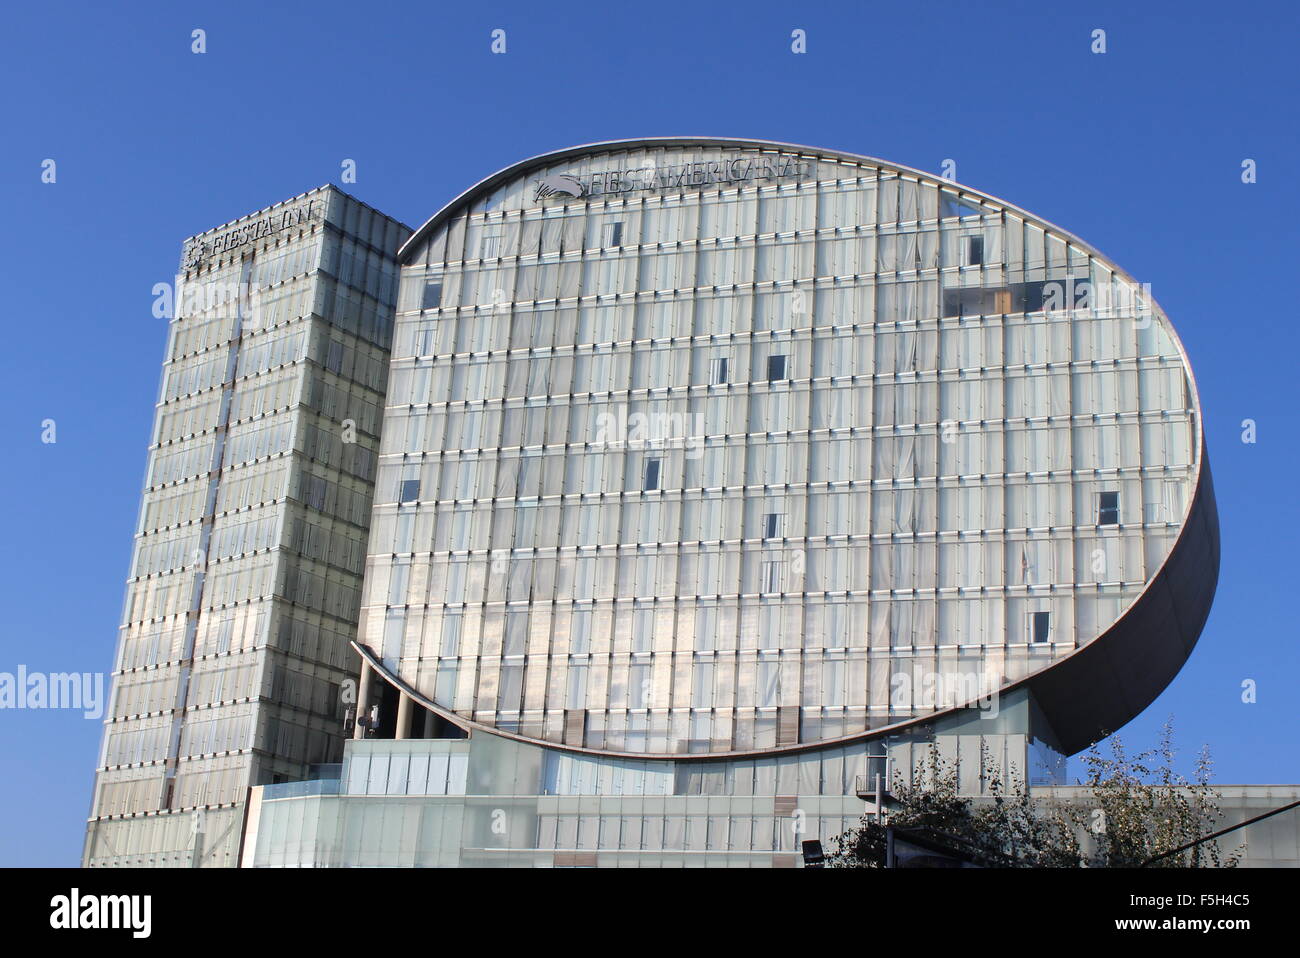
x=559, y=183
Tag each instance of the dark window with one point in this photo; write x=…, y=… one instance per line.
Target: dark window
x=1108, y=509
x=775, y=368
x=772, y=525
x=976, y=250
x=1042, y=626
x=614, y=234
x=432, y=296
x=410, y=490
x=718, y=371
x=651, y=475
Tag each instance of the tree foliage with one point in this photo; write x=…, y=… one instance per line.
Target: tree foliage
x=1142, y=808
x=1135, y=808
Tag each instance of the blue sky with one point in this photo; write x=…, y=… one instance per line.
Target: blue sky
x=1137, y=150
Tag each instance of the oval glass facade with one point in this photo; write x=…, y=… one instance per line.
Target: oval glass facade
x=725, y=447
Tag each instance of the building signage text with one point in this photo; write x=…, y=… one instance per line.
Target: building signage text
x=735, y=170
x=199, y=250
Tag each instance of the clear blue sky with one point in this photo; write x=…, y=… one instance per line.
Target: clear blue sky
x=1137, y=150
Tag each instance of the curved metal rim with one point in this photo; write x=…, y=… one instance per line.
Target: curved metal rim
x=470, y=725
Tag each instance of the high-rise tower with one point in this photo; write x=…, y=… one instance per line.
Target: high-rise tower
x=245, y=580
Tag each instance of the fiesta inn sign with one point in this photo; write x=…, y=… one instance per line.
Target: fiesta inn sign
x=740, y=169
x=199, y=250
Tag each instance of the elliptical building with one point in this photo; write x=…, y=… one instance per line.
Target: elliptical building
x=717, y=476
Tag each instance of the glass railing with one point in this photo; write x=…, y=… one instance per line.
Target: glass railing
x=315, y=786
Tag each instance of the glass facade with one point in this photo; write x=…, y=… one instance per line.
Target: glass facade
x=493, y=802
x=490, y=801
x=704, y=482
x=246, y=574
x=722, y=447
x=427, y=804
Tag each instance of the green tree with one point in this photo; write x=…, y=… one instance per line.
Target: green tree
x=1135, y=808
x=1006, y=829
x=1142, y=808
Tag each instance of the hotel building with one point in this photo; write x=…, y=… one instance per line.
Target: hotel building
x=717, y=481
x=246, y=575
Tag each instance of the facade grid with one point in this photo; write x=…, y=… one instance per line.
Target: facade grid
x=246, y=574
x=670, y=469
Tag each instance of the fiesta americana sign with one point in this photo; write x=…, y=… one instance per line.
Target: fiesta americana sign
x=732, y=170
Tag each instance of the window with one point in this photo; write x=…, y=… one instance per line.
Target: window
x=651, y=482
x=772, y=578
x=638, y=686
x=613, y=234
x=426, y=339
x=974, y=250
x=510, y=687
x=225, y=634
x=313, y=492
x=432, y=296
x=490, y=246
x=775, y=368
x=334, y=358
x=410, y=490
x=1173, y=500
x=363, y=461
x=1041, y=626
x=772, y=525
x=580, y=631
x=702, y=681
x=1108, y=508
x=717, y=371
x=949, y=205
